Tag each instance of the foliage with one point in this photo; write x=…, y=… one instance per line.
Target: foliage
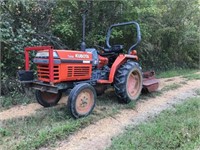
x=23, y=23
x=170, y=29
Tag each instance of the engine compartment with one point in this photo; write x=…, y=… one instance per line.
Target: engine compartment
x=69, y=65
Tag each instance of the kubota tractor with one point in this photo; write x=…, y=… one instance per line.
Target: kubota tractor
x=86, y=74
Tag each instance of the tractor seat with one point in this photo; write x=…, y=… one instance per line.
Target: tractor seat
x=115, y=49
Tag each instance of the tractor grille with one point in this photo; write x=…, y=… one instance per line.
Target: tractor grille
x=78, y=71
x=43, y=72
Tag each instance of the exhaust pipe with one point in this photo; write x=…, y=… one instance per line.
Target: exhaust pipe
x=83, y=45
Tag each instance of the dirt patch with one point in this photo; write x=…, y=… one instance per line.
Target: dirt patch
x=169, y=81
x=18, y=111
x=24, y=110
x=99, y=135
x=198, y=73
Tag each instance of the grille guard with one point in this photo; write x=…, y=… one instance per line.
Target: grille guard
x=40, y=48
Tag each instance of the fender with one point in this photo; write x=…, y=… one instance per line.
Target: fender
x=118, y=62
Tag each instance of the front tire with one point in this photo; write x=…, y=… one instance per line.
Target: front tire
x=47, y=99
x=128, y=82
x=81, y=100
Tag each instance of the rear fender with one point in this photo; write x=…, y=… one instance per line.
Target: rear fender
x=121, y=59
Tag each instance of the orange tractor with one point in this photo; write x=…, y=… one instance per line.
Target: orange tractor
x=87, y=73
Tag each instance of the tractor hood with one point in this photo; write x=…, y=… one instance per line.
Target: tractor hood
x=63, y=56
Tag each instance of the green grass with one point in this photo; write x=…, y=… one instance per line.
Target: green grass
x=44, y=128
x=146, y=96
x=49, y=125
x=177, y=128
x=171, y=87
x=15, y=99
x=176, y=72
x=192, y=76
x=197, y=91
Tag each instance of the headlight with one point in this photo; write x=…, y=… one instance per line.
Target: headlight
x=45, y=54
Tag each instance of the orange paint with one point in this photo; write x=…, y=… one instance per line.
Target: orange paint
x=77, y=66
x=74, y=55
x=102, y=61
x=122, y=58
x=65, y=72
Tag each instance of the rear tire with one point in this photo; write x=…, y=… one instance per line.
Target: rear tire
x=81, y=100
x=128, y=82
x=47, y=99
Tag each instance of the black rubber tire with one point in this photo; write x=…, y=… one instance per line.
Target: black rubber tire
x=72, y=100
x=44, y=102
x=121, y=81
x=100, y=89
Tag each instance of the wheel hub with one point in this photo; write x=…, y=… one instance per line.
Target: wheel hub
x=133, y=84
x=84, y=101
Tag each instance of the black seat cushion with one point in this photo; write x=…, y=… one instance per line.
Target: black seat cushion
x=115, y=49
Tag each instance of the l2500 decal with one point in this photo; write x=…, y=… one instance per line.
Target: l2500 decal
x=81, y=56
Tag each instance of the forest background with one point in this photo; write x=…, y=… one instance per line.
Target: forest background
x=170, y=31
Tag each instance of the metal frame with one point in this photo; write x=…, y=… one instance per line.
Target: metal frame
x=124, y=24
x=40, y=48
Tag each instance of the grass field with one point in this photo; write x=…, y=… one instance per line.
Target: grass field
x=49, y=125
x=177, y=128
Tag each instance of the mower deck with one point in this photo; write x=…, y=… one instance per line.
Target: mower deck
x=150, y=83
